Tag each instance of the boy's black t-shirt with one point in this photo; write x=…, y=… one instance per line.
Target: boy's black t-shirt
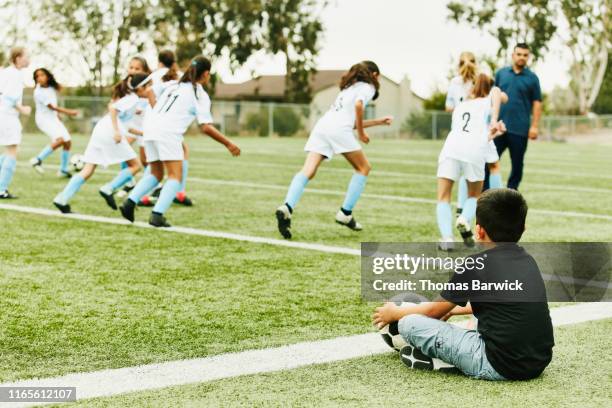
x=515, y=325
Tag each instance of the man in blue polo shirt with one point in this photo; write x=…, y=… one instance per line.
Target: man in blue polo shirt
x=521, y=114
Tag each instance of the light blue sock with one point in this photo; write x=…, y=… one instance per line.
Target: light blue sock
x=71, y=189
x=495, y=180
x=166, y=196
x=355, y=188
x=6, y=172
x=1, y=160
x=296, y=188
x=462, y=192
x=64, y=160
x=124, y=166
x=119, y=181
x=469, y=209
x=146, y=184
x=184, y=177
x=44, y=153
x=147, y=170
x=445, y=219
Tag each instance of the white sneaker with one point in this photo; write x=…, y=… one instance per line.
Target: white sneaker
x=446, y=244
x=348, y=221
x=466, y=231
x=37, y=165
x=283, y=216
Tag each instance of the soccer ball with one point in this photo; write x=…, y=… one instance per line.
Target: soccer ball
x=390, y=332
x=76, y=161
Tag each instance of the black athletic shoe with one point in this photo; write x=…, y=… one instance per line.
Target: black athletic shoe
x=127, y=210
x=348, y=221
x=64, y=174
x=64, y=208
x=5, y=195
x=182, y=199
x=415, y=358
x=110, y=200
x=156, y=191
x=158, y=220
x=283, y=216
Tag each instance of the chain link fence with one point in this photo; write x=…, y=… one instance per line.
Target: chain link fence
x=266, y=119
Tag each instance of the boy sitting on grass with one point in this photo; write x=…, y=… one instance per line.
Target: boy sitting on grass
x=514, y=339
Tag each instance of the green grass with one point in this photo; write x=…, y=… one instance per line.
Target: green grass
x=579, y=376
x=81, y=296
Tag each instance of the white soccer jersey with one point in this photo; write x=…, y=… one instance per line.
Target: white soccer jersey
x=458, y=91
x=126, y=108
x=11, y=90
x=137, y=120
x=468, y=138
x=174, y=111
x=341, y=115
x=43, y=97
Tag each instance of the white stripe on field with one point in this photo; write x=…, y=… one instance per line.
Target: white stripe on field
x=111, y=382
x=186, y=230
x=388, y=197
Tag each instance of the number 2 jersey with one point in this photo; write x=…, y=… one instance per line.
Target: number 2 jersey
x=174, y=111
x=341, y=116
x=469, y=136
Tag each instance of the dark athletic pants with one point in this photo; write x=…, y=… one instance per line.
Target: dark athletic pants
x=517, y=145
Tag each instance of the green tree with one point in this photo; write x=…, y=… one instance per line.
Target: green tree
x=239, y=28
x=437, y=101
x=603, y=103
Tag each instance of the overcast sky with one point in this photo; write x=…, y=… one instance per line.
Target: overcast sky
x=405, y=37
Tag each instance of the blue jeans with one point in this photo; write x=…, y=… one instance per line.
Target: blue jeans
x=517, y=145
x=464, y=349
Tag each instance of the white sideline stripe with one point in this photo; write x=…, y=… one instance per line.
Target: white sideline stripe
x=185, y=230
x=106, y=383
x=387, y=197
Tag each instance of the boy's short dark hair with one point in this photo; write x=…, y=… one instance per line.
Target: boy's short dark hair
x=522, y=45
x=502, y=212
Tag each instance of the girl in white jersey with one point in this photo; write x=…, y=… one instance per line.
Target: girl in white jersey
x=474, y=124
x=333, y=134
x=459, y=89
x=11, y=94
x=172, y=114
x=48, y=121
x=108, y=143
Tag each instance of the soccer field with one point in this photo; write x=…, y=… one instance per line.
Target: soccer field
x=82, y=296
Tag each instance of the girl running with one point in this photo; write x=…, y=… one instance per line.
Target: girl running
x=474, y=125
x=108, y=144
x=458, y=91
x=333, y=134
x=48, y=121
x=11, y=94
x=165, y=126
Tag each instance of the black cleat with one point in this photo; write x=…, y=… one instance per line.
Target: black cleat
x=348, y=221
x=64, y=208
x=182, y=199
x=5, y=195
x=283, y=216
x=156, y=191
x=158, y=220
x=127, y=210
x=110, y=200
x=64, y=174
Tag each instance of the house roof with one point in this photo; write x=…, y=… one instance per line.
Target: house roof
x=273, y=86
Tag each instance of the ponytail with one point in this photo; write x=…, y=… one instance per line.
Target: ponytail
x=467, y=67
x=482, y=86
x=197, y=67
x=128, y=85
x=362, y=72
x=168, y=60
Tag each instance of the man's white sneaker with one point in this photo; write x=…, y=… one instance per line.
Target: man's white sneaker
x=283, y=216
x=348, y=221
x=465, y=230
x=37, y=165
